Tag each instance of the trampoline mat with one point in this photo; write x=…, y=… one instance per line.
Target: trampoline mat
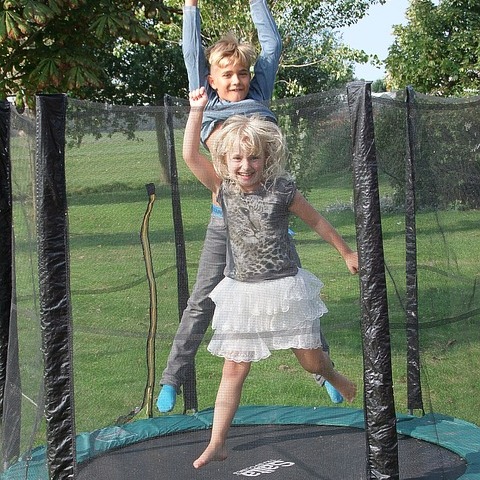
x=283, y=452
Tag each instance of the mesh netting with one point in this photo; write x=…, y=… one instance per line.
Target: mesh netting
x=113, y=152
x=24, y=392
x=444, y=136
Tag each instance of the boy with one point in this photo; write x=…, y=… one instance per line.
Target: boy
x=226, y=77
x=231, y=90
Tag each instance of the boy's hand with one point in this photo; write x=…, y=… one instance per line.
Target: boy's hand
x=198, y=97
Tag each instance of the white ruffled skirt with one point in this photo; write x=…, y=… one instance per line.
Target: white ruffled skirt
x=252, y=319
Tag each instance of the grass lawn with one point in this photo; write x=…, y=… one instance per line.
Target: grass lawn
x=110, y=294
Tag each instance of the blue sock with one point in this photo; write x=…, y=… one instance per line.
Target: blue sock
x=333, y=393
x=167, y=398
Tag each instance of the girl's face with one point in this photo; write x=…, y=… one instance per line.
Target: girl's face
x=244, y=168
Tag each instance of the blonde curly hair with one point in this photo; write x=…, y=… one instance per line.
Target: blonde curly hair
x=257, y=136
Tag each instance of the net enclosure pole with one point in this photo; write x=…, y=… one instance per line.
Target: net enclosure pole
x=5, y=242
x=190, y=385
x=379, y=408
x=54, y=284
x=414, y=387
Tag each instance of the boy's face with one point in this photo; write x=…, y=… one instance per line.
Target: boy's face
x=231, y=82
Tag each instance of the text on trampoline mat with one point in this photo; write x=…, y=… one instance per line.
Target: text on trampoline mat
x=269, y=466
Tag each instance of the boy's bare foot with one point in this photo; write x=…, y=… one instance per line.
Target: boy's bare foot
x=211, y=454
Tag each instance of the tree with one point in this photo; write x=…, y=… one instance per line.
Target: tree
x=313, y=63
x=96, y=48
x=378, y=86
x=437, y=51
x=59, y=45
x=313, y=57
x=140, y=75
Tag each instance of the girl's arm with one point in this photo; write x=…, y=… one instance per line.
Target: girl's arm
x=305, y=211
x=199, y=164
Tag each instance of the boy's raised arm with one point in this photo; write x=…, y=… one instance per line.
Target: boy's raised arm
x=193, y=54
x=266, y=66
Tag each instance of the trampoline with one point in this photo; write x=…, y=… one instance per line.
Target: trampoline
x=290, y=443
x=287, y=443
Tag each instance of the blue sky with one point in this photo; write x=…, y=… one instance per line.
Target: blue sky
x=374, y=34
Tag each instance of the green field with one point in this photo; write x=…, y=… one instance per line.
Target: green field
x=107, y=199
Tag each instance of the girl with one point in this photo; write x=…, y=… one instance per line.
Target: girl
x=265, y=302
x=224, y=71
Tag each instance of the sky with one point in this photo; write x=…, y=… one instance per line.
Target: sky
x=373, y=34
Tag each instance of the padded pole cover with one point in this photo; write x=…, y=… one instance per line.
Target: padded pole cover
x=54, y=284
x=190, y=385
x=5, y=242
x=380, y=421
x=414, y=387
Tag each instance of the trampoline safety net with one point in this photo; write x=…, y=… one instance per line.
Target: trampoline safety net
x=132, y=251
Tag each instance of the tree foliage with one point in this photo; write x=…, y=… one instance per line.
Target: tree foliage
x=313, y=57
x=60, y=45
x=140, y=75
x=129, y=52
x=437, y=52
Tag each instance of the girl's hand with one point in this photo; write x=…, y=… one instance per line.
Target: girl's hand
x=351, y=259
x=198, y=97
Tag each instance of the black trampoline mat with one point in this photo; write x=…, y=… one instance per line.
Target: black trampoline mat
x=277, y=452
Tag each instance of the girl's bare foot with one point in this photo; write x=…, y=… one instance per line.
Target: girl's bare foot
x=347, y=388
x=352, y=389
x=211, y=454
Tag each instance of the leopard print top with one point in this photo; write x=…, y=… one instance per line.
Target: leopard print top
x=259, y=247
